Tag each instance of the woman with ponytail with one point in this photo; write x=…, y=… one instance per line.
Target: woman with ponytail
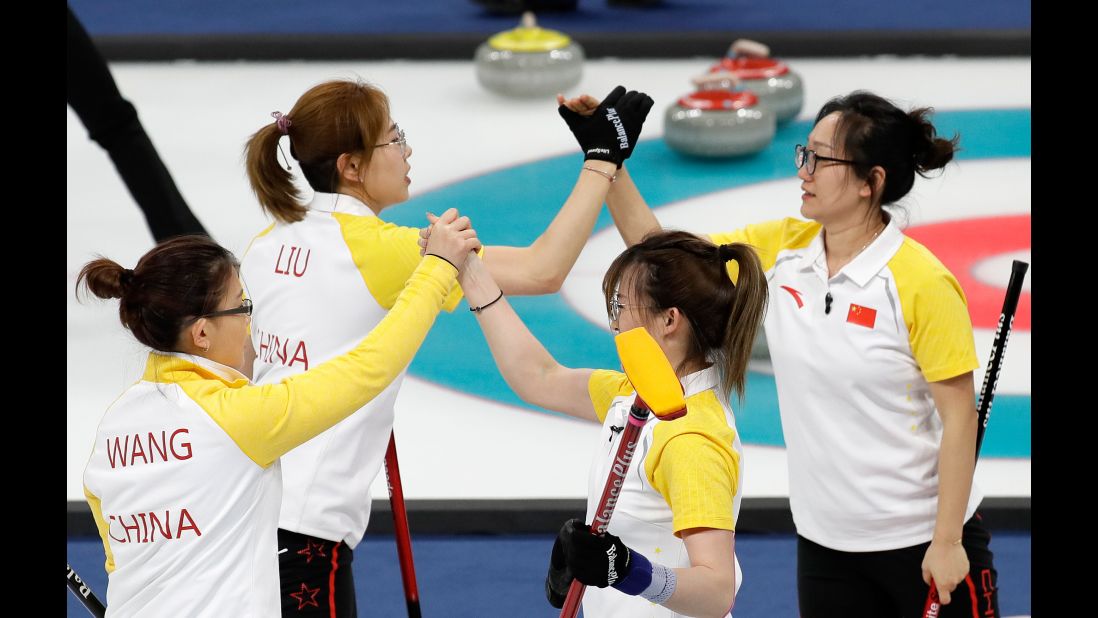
x=329, y=269
x=184, y=480
x=673, y=530
x=873, y=354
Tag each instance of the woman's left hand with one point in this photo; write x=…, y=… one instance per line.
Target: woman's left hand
x=947, y=564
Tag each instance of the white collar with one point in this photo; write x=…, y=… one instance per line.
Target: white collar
x=866, y=264
x=340, y=202
x=223, y=371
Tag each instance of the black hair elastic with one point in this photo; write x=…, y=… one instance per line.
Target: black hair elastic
x=726, y=253
x=485, y=306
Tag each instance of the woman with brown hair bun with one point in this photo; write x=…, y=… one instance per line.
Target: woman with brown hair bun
x=184, y=480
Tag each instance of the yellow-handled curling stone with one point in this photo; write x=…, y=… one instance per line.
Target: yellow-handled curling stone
x=529, y=61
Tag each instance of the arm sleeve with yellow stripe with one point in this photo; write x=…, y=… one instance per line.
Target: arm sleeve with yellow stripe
x=269, y=420
x=603, y=386
x=386, y=255
x=935, y=313
x=768, y=239
x=694, y=466
x=100, y=523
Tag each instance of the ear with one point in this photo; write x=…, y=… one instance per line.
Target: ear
x=671, y=321
x=351, y=168
x=199, y=336
x=875, y=181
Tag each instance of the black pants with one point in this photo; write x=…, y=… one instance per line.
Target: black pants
x=316, y=577
x=112, y=122
x=889, y=584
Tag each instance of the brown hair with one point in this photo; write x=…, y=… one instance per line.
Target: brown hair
x=678, y=269
x=174, y=282
x=330, y=119
x=875, y=132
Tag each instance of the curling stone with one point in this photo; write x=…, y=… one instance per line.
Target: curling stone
x=777, y=87
x=718, y=120
x=529, y=61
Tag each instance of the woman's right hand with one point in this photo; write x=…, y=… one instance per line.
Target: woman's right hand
x=450, y=237
x=607, y=131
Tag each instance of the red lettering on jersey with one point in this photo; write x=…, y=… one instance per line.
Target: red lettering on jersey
x=292, y=265
x=111, y=534
x=154, y=524
x=138, y=450
x=301, y=354
x=182, y=445
x=146, y=525
x=126, y=453
x=862, y=316
x=278, y=262
x=136, y=528
x=118, y=451
x=306, y=266
x=275, y=350
x=183, y=514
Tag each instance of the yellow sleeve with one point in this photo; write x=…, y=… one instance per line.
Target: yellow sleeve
x=935, y=313
x=268, y=421
x=603, y=386
x=694, y=466
x=386, y=254
x=768, y=239
x=101, y=524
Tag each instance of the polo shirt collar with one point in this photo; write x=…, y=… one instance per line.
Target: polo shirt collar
x=339, y=202
x=700, y=381
x=866, y=264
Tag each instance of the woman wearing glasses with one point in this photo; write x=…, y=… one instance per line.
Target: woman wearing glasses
x=328, y=270
x=183, y=480
x=670, y=546
x=873, y=354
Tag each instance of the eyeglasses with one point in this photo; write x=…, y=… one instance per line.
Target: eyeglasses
x=401, y=140
x=804, y=157
x=613, y=310
x=245, y=308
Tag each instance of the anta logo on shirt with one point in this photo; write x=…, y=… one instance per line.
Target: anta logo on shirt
x=795, y=294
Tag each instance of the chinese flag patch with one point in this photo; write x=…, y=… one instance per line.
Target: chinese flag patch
x=862, y=316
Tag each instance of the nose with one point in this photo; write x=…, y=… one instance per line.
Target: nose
x=407, y=150
x=803, y=174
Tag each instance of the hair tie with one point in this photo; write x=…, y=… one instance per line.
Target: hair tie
x=726, y=253
x=283, y=122
x=125, y=277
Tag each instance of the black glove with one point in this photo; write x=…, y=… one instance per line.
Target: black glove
x=595, y=560
x=611, y=132
x=559, y=578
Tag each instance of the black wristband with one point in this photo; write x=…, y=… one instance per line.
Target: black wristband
x=485, y=306
x=444, y=260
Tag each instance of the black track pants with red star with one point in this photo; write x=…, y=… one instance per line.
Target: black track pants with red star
x=316, y=577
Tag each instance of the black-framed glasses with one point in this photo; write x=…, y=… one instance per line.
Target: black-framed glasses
x=245, y=308
x=803, y=157
x=400, y=140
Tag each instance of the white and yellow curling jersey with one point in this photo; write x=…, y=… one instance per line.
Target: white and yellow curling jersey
x=319, y=286
x=184, y=482
x=686, y=473
x=862, y=432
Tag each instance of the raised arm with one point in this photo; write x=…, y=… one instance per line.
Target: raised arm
x=630, y=212
x=607, y=135
x=529, y=369
x=268, y=421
